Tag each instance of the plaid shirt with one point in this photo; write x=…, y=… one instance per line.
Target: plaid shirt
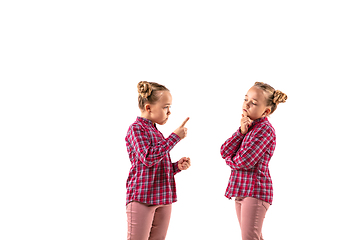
x=248, y=157
x=151, y=177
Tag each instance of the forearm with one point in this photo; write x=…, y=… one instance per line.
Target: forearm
x=231, y=146
x=156, y=153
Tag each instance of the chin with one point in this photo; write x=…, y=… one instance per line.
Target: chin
x=163, y=122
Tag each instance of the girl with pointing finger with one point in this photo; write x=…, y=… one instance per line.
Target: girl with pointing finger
x=151, y=185
x=248, y=153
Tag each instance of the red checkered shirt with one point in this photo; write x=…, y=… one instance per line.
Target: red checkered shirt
x=248, y=157
x=151, y=177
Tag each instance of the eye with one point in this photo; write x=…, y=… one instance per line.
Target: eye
x=254, y=103
x=245, y=100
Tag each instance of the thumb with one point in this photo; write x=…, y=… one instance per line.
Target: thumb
x=183, y=124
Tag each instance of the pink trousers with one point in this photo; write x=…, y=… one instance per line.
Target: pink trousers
x=147, y=222
x=251, y=213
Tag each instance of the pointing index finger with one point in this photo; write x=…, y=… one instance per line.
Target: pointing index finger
x=183, y=124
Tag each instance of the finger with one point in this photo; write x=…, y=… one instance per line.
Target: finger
x=183, y=124
x=183, y=166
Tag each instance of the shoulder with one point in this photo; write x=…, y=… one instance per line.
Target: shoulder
x=137, y=129
x=136, y=126
x=265, y=129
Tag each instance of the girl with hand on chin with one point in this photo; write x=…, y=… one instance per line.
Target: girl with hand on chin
x=151, y=185
x=248, y=153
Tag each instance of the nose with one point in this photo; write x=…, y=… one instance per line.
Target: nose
x=168, y=112
x=246, y=105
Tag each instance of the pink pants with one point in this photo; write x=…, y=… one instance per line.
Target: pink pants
x=147, y=222
x=251, y=213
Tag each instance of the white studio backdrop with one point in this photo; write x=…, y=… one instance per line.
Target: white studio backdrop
x=68, y=94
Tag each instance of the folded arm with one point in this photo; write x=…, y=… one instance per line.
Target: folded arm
x=251, y=151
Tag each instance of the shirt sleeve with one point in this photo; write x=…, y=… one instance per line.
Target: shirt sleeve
x=231, y=146
x=251, y=151
x=147, y=152
x=176, y=168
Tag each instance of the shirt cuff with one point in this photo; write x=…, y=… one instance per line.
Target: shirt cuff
x=176, y=168
x=239, y=132
x=173, y=139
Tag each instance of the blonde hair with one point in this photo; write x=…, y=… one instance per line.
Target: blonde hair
x=148, y=92
x=274, y=97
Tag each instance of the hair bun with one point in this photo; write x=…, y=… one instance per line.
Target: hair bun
x=279, y=97
x=144, y=89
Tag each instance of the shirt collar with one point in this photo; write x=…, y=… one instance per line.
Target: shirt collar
x=257, y=121
x=146, y=121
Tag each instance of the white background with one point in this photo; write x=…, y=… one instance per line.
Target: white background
x=69, y=71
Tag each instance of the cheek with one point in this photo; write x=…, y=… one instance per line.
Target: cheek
x=158, y=112
x=260, y=111
x=164, y=112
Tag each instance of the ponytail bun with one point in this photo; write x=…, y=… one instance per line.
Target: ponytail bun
x=279, y=97
x=273, y=98
x=149, y=93
x=144, y=89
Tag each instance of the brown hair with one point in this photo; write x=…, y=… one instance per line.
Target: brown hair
x=274, y=97
x=148, y=92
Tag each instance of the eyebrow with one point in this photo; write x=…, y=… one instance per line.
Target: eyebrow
x=253, y=98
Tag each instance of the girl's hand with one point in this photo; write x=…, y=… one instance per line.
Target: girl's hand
x=245, y=124
x=182, y=130
x=184, y=163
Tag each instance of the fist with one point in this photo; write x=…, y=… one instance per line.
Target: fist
x=182, y=130
x=184, y=163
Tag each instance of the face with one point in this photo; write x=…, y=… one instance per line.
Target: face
x=160, y=111
x=254, y=105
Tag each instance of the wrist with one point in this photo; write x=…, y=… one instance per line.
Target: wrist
x=179, y=166
x=242, y=132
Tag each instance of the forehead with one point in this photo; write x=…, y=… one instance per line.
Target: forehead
x=165, y=97
x=256, y=93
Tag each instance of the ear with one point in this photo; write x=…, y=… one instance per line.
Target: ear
x=267, y=112
x=147, y=108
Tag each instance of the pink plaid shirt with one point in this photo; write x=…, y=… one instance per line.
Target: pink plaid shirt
x=248, y=157
x=151, y=177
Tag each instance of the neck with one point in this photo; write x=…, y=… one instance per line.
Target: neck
x=145, y=115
